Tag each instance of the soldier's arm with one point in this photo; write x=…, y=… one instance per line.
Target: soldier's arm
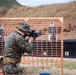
x=24, y=45
x=30, y=45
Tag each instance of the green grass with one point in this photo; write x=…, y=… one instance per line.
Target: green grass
x=69, y=65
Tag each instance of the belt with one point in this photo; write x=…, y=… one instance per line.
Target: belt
x=8, y=60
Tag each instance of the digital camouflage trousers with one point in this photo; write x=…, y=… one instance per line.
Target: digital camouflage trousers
x=11, y=69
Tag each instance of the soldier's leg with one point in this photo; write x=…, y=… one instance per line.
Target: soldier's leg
x=11, y=69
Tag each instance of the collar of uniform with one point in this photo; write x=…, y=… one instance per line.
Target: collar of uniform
x=20, y=32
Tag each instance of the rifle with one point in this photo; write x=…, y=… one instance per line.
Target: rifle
x=35, y=34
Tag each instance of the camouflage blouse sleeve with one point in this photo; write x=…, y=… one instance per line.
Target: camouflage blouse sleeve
x=24, y=46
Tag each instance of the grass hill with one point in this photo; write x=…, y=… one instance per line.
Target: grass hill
x=66, y=10
x=8, y=3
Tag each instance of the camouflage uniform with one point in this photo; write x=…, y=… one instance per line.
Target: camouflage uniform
x=15, y=45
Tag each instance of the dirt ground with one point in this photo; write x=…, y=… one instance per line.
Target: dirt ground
x=69, y=68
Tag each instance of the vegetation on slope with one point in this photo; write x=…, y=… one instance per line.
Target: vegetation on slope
x=66, y=10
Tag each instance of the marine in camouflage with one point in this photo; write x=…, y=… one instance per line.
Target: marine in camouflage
x=15, y=46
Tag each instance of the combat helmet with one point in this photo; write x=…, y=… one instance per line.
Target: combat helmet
x=24, y=26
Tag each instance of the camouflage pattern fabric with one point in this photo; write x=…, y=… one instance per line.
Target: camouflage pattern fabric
x=15, y=45
x=11, y=69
